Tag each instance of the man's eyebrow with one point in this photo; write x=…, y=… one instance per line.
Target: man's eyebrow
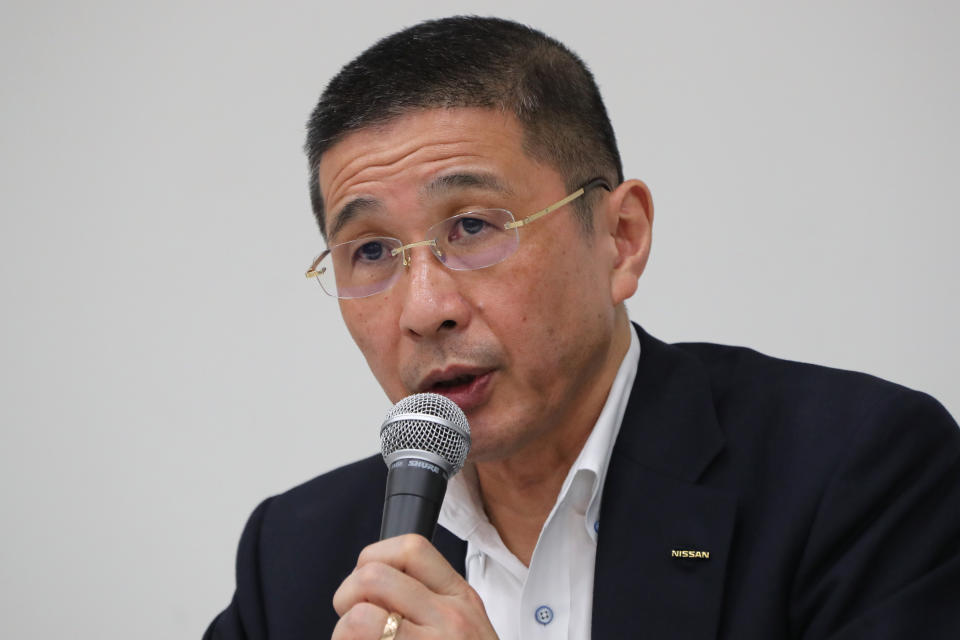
x=442, y=184
x=454, y=181
x=351, y=210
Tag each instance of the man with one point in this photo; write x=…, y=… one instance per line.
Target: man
x=617, y=487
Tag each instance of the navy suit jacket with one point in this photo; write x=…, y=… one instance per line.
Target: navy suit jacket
x=828, y=502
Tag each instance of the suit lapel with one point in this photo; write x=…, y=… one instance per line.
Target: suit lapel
x=663, y=540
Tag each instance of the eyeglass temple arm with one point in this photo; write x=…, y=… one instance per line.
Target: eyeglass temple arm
x=312, y=271
x=596, y=182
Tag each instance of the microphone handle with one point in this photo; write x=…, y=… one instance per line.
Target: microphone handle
x=414, y=494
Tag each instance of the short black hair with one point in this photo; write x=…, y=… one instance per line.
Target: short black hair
x=472, y=61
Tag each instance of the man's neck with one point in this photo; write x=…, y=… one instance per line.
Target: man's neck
x=518, y=497
x=519, y=492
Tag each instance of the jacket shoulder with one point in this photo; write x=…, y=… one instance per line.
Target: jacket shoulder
x=742, y=375
x=338, y=491
x=309, y=539
x=339, y=509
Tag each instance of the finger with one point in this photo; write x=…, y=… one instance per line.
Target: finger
x=360, y=622
x=388, y=588
x=366, y=621
x=414, y=555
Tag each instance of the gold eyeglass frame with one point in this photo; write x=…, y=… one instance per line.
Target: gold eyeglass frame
x=516, y=224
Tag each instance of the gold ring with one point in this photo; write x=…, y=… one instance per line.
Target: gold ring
x=390, y=629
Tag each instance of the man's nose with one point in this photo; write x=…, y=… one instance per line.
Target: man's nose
x=432, y=301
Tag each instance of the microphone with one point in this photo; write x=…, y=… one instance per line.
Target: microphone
x=424, y=440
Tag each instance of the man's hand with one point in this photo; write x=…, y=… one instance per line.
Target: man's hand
x=407, y=575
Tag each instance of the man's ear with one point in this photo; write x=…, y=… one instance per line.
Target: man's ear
x=630, y=224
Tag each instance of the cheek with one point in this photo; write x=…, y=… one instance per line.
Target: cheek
x=539, y=310
x=354, y=319
x=563, y=283
x=565, y=306
x=370, y=332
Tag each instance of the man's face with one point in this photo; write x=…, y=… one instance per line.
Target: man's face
x=521, y=345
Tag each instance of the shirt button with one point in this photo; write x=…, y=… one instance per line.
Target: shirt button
x=596, y=526
x=544, y=615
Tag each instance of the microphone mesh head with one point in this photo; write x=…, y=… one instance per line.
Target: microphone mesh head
x=427, y=422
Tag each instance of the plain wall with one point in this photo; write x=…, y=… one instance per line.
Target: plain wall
x=165, y=365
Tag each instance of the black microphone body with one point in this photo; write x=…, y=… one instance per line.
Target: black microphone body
x=424, y=440
x=415, y=490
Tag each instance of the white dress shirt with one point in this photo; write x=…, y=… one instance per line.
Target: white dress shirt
x=553, y=597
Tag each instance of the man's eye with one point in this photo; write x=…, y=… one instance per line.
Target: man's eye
x=472, y=226
x=467, y=228
x=370, y=251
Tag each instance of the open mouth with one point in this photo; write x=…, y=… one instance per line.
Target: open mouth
x=468, y=390
x=453, y=383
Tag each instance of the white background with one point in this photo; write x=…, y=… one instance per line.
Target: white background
x=165, y=365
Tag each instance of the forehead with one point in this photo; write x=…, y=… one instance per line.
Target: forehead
x=415, y=148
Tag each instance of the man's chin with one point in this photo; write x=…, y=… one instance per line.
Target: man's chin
x=496, y=444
